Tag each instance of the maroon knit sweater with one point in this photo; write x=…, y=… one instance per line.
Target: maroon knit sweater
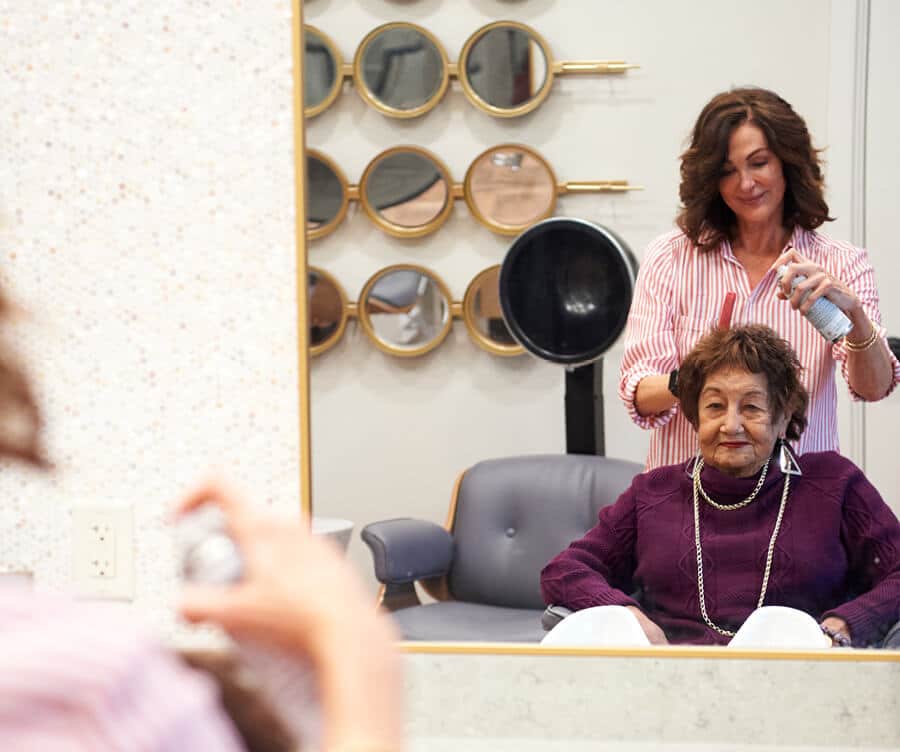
x=837, y=554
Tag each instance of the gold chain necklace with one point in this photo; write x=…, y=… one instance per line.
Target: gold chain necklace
x=729, y=507
x=698, y=466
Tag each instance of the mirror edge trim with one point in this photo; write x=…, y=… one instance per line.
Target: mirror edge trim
x=305, y=466
x=834, y=655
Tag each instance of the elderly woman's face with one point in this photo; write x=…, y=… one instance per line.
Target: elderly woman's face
x=735, y=425
x=752, y=182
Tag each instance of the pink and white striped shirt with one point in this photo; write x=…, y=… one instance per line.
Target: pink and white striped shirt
x=678, y=297
x=79, y=677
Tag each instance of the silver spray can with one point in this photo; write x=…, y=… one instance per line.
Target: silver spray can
x=829, y=320
x=209, y=556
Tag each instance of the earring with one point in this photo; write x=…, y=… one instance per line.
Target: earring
x=786, y=459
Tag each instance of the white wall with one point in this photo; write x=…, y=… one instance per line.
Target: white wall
x=146, y=185
x=389, y=437
x=882, y=198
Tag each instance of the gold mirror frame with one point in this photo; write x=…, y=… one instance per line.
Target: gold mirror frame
x=335, y=337
x=339, y=67
x=373, y=101
x=347, y=191
x=464, y=310
x=469, y=316
x=304, y=432
x=405, y=231
x=369, y=328
x=305, y=487
x=455, y=191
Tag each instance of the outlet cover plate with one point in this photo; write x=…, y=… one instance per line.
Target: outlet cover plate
x=103, y=552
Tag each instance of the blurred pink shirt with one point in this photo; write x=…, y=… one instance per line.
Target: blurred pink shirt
x=678, y=298
x=84, y=677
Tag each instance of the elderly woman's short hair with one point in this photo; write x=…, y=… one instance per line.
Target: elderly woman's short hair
x=704, y=217
x=754, y=348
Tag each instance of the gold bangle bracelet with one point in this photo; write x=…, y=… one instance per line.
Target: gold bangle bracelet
x=865, y=344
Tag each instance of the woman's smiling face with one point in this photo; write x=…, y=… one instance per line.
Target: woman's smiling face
x=735, y=425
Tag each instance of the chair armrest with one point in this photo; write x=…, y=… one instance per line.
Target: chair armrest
x=553, y=615
x=405, y=549
x=892, y=638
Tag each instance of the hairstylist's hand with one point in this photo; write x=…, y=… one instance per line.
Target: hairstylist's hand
x=298, y=592
x=818, y=283
x=651, y=628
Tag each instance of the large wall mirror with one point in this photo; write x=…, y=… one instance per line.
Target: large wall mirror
x=390, y=435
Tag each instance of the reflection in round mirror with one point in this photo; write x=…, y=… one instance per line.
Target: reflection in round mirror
x=327, y=310
x=322, y=74
x=406, y=191
x=505, y=68
x=401, y=70
x=483, y=315
x=326, y=195
x=565, y=288
x=405, y=310
x=510, y=187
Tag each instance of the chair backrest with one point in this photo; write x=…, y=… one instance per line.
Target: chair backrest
x=516, y=513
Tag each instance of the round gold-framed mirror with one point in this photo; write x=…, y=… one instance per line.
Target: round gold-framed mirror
x=323, y=71
x=510, y=187
x=406, y=310
x=407, y=191
x=506, y=69
x=328, y=195
x=401, y=70
x=483, y=315
x=329, y=310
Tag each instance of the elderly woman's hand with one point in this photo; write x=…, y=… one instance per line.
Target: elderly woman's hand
x=818, y=283
x=836, y=625
x=651, y=629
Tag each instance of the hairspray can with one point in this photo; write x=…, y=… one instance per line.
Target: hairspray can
x=829, y=320
x=210, y=556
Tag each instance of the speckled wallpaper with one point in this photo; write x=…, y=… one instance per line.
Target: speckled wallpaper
x=147, y=234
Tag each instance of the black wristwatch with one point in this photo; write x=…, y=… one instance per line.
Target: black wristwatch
x=673, y=382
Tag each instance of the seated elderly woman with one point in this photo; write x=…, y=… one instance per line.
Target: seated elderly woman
x=745, y=524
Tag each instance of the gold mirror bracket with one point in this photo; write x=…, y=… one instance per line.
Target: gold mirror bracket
x=597, y=186
x=456, y=309
x=593, y=67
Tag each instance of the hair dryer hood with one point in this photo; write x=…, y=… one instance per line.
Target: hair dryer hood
x=565, y=289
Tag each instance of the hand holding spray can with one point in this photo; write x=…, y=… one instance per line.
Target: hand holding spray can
x=829, y=320
x=210, y=556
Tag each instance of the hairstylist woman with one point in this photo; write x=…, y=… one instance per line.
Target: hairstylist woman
x=752, y=195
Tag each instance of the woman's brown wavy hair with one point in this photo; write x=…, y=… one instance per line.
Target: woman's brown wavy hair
x=704, y=217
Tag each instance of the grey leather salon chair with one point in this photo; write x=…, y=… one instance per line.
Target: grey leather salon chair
x=508, y=517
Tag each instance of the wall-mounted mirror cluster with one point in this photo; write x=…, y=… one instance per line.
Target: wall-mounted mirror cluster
x=407, y=311
x=408, y=192
x=506, y=69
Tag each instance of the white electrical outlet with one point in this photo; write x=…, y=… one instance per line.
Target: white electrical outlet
x=102, y=551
